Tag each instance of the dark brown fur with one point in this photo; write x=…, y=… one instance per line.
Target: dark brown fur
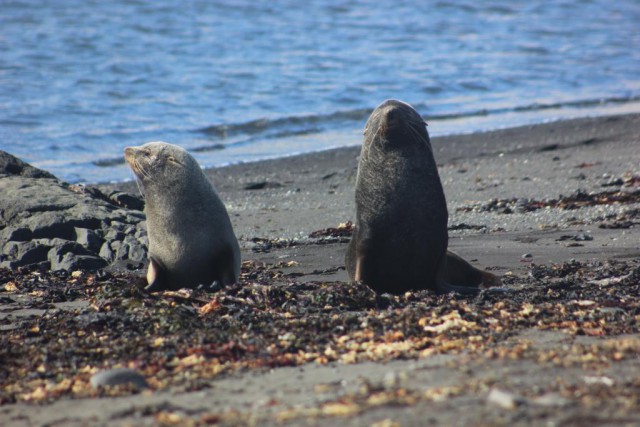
x=400, y=239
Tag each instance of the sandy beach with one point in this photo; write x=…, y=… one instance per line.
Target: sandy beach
x=553, y=208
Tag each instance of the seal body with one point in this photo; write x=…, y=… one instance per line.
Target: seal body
x=400, y=237
x=191, y=239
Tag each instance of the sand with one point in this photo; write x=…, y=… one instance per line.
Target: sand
x=555, y=192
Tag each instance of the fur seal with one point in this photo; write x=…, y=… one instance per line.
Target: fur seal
x=400, y=237
x=191, y=240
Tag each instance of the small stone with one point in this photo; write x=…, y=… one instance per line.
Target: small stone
x=599, y=380
x=141, y=232
x=613, y=310
x=122, y=251
x=504, y=399
x=137, y=252
x=113, y=234
x=522, y=205
x=117, y=225
x=582, y=237
x=261, y=185
x=26, y=253
x=393, y=379
x=551, y=399
x=526, y=258
x=118, y=376
x=89, y=239
x=71, y=261
x=106, y=252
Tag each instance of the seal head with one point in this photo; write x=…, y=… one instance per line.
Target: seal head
x=191, y=239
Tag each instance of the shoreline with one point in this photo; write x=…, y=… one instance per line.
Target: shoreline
x=294, y=196
x=296, y=344
x=449, y=135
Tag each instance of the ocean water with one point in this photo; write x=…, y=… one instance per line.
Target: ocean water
x=238, y=80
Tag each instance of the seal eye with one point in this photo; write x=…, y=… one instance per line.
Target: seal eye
x=173, y=160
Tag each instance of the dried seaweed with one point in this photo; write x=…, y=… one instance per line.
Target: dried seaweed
x=83, y=322
x=577, y=200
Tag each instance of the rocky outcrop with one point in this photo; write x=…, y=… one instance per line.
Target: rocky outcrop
x=47, y=223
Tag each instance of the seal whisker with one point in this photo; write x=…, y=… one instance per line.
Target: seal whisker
x=142, y=170
x=139, y=185
x=415, y=132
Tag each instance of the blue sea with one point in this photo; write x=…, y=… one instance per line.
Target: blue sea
x=236, y=81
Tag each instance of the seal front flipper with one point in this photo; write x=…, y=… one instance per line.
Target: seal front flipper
x=223, y=265
x=157, y=276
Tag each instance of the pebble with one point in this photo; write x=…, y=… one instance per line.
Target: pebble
x=551, y=399
x=526, y=258
x=504, y=399
x=118, y=376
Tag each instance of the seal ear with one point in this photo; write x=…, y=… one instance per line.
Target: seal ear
x=157, y=276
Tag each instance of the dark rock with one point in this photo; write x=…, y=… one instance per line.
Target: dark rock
x=11, y=165
x=134, y=217
x=141, y=230
x=114, y=235
x=89, y=239
x=67, y=255
x=51, y=224
x=261, y=185
x=122, y=251
x=106, y=252
x=12, y=265
x=116, y=245
x=118, y=376
x=15, y=234
x=26, y=253
x=11, y=249
x=118, y=226
x=71, y=261
x=8, y=264
x=62, y=246
x=126, y=200
x=137, y=252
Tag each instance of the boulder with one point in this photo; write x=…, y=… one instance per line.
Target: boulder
x=47, y=223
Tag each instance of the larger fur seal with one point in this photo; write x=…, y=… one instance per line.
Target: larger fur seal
x=400, y=238
x=191, y=240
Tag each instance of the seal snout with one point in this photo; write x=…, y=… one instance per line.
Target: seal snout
x=132, y=158
x=391, y=120
x=391, y=116
x=129, y=153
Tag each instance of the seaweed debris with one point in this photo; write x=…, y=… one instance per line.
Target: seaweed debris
x=577, y=200
x=58, y=329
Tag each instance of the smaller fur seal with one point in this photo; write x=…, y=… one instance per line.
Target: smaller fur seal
x=400, y=237
x=191, y=239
